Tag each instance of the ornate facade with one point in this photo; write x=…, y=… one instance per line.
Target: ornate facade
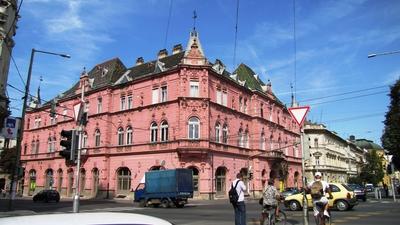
x=337, y=159
x=178, y=111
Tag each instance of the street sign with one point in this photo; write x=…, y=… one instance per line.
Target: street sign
x=10, y=129
x=299, y=113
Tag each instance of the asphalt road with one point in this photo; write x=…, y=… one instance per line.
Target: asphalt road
x=217, y=212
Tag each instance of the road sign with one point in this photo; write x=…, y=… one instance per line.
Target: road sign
x=77, y=111
x=299, y=113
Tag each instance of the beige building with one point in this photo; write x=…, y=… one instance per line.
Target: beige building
x=4, y=177
x=8, y=21
x=337, y=159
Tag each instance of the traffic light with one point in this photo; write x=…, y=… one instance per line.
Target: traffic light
x=70, y=144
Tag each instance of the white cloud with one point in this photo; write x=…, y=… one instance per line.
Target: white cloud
x=392, y=77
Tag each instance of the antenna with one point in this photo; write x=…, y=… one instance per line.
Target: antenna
x=194, y=19
x=168, y=21
x=295, y=47
x=236, y=31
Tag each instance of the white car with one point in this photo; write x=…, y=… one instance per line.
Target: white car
x=84, y=219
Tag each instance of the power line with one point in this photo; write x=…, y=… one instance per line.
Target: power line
x=355, y=117
x=16, y=67
x=344, y=93
x=342, y=99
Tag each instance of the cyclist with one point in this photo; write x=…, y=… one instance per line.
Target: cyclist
x=270, y=197
x=318, y=189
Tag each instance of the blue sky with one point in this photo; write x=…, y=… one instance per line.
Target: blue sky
x=333, y=41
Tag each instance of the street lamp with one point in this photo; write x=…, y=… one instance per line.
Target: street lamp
x=14, y=175
x=383, y=53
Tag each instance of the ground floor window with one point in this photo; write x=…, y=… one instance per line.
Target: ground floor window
x=220, y=179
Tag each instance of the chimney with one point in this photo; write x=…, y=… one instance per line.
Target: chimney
x=139, y=61
x=177, y=49
x=162, y=54
x=352, y=138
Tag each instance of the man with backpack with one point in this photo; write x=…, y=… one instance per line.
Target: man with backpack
x=237, y=199
x=318, y=189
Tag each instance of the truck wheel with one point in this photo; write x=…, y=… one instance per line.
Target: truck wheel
x=142, y=203
x=180, y=205
x=165, y=203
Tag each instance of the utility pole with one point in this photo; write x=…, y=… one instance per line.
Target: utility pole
x=14, y=175
x=81, y=121
x=305, y=203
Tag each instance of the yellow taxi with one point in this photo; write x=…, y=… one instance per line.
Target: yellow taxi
x=343, y=198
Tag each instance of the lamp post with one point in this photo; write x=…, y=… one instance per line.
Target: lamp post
x=383, y=53
x=392, y=167
x=14, y=175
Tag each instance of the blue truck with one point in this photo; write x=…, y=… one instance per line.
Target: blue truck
x=165, y=188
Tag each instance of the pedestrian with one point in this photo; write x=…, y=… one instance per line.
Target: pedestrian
x=240, y=207
x=385, y=187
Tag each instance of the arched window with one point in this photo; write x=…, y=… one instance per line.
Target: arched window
x=129, y=137
x=225, y=134
x=246, y=139
x=220, y=178
x=84, y=139
x=95, y=181
x=49, y=144
x=83, y=181
x=241, y=138
x=37, y=146
x=195, y=173
x=262, y=140
x=164, y=131
x=97, y=138
x=60, y=180
x=32, y=182
x=218, y=132
x=124, y=180
x=153, y=132
x=49, y=179
x=120, y=136
x=194, y=128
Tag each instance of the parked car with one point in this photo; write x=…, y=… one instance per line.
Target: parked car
x=359, y=190
x=289, y=191
x=46, y=196
x=343, y=198
x=369, y=187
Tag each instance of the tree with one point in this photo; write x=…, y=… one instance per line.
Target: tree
x=7, y=160
x=391, y=134
x=372, y=171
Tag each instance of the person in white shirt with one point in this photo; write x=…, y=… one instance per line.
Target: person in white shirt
x=240, y=207
x=322, y=198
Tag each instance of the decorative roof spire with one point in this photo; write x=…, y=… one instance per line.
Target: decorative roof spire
x=194, y=20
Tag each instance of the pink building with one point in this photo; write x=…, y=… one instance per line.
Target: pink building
x=178, y=111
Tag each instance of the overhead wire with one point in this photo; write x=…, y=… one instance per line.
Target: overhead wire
x=344, y=93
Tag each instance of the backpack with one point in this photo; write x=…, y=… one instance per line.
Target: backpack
x=233, y=195
x=316, y=189
x=270, y=196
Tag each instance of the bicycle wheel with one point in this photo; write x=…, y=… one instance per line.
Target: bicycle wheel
x=267, y=220
x=282, y=218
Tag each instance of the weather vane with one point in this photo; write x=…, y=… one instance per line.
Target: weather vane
x=194, y=19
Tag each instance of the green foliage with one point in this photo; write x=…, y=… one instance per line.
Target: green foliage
x=372, y=172
x=391, y=134
x=7, y=160
x=355, y=180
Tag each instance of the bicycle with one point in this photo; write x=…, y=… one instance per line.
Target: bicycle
x=269, y=216
x=321, y=219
